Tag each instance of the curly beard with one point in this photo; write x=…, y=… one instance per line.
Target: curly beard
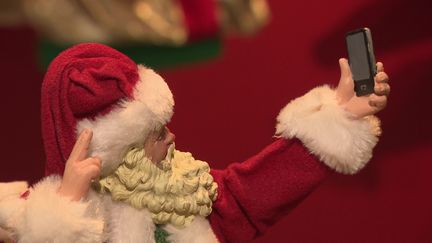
x=174, y=192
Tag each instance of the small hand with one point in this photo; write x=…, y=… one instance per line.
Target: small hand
x=364, y=105
x=80, y=169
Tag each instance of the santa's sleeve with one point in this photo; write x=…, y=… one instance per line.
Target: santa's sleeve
x=42, y=215
x=315, y=136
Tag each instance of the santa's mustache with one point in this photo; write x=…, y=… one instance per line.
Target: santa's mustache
x=166, y=164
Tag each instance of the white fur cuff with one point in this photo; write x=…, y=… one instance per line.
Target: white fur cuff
x=11, y=206
x=49, y=217
x=328, y=131
x=13, y=189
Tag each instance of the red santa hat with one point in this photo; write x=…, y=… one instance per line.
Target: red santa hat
x=94, y=86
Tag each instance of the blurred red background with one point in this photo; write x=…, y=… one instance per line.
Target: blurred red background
x=226, y=109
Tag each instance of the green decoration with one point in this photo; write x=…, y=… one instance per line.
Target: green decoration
x=157, y=57
x=160, y=235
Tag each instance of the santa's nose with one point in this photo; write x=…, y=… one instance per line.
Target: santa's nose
x=170, y=137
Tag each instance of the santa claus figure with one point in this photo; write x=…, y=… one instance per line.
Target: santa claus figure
x=114, y=174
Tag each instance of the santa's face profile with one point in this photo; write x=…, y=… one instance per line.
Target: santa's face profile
x=157, y=144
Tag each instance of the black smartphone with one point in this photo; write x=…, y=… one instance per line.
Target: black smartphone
x=362, y=60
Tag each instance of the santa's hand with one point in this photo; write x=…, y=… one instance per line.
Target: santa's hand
x=80, y=169
x=363, y=105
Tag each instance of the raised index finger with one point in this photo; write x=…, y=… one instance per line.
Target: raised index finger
x=80, y=149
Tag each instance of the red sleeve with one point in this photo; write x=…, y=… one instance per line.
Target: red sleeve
x=255, y=194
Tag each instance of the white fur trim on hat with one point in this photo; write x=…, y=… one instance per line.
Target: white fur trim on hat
x=328, y=131
x=131, y=122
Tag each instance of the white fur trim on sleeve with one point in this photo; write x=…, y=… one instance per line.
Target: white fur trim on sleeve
x=11, y=206
x=328, y=131
x=199, y=231
x=49, y=217
x=13, y=189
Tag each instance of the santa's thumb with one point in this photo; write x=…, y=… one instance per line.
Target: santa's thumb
x=345, y=89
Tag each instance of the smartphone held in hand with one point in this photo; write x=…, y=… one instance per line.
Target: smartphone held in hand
x=362, y=60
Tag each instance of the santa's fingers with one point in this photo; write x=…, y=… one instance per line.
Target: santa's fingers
x=90, y=162
x=378, y=102
x=381, y=77
x=382, y=89
x=93, y=171
x=79, y=151
x=87, y=173
x=380, y=67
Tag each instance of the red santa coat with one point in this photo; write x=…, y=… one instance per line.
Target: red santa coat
x=255, y=194
x=315, y=135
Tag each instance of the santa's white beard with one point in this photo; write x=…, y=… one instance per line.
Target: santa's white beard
x=174, y=192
